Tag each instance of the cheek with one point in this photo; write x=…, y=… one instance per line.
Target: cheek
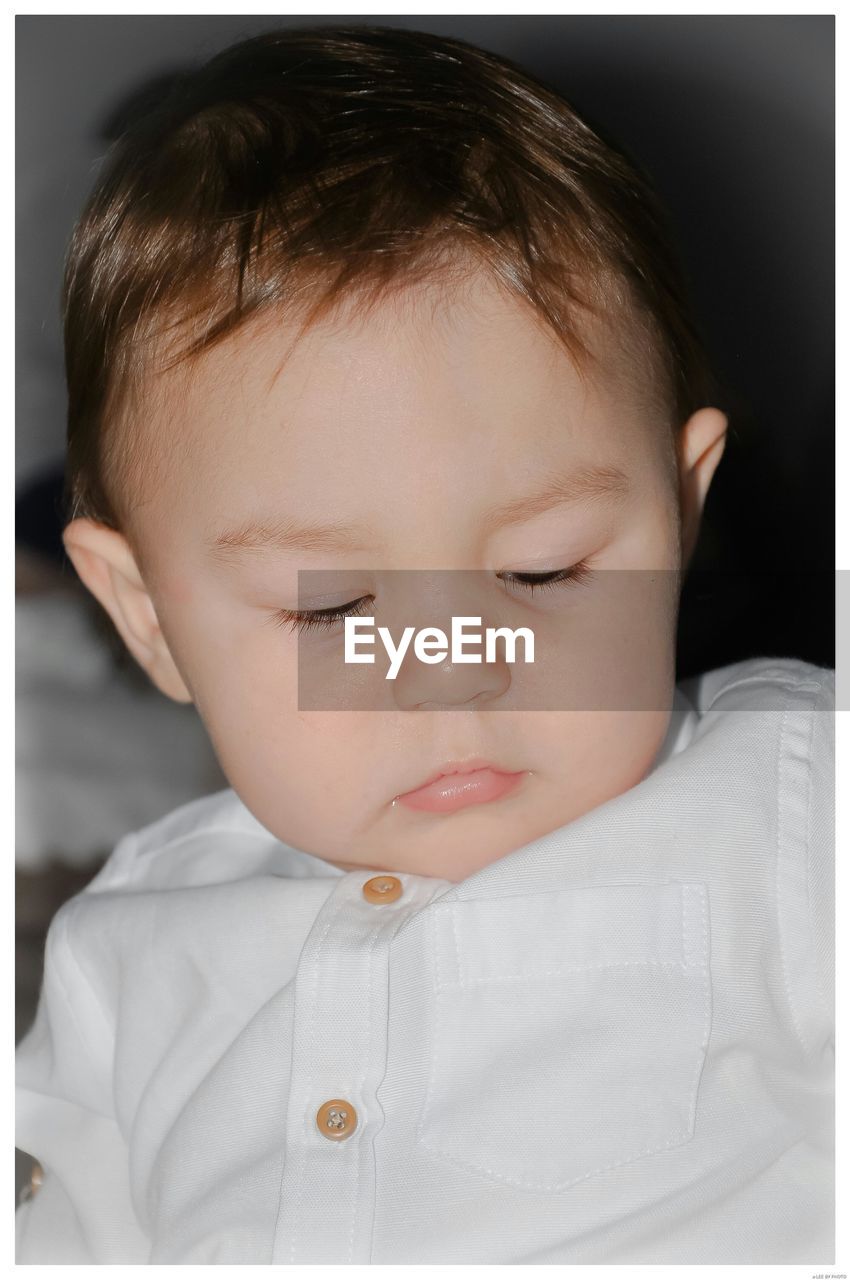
x=182, y=589
x=316, y=762
x=243, y=678
x=610, y=648
x=304, y=776
x=624, y=739
x=627, y=749
x=601, y=754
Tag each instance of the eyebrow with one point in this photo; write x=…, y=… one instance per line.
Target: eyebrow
x=281, y=534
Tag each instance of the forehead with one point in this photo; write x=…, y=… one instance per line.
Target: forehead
x=427, y=377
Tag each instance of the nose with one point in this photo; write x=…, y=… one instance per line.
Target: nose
x=448, y=685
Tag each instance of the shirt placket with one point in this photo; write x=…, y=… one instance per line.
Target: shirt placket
x=339, y=1054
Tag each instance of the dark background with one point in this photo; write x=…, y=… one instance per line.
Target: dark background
x=731, y=117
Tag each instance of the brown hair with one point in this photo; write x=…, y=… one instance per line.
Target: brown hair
x=305, y=165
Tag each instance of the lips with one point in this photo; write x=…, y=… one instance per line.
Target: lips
x=461, y=783
x=451, y=767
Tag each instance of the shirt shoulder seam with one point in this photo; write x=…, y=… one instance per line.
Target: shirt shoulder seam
x=124, y=867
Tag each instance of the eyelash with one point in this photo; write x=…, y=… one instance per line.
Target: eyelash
x=323, y=619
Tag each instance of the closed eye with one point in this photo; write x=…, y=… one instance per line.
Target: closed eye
x=310, y=619
x=537, y=581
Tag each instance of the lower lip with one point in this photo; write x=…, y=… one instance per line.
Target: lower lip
x=457, y=790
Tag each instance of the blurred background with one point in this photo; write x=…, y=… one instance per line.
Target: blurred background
x=732, y=119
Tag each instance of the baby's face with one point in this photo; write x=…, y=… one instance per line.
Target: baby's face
x=413, y=424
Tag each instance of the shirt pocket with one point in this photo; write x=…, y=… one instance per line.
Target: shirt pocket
x=568, y=1030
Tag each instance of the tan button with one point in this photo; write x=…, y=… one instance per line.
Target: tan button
x=29, y=1189
x=336, y=1119
x=382, y=889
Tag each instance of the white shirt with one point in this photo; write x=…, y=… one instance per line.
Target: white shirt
x=613, y=1045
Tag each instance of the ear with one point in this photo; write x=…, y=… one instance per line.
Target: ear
x=700, y=447
x=106, y=565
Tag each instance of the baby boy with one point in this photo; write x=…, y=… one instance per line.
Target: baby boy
x=422, y=988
